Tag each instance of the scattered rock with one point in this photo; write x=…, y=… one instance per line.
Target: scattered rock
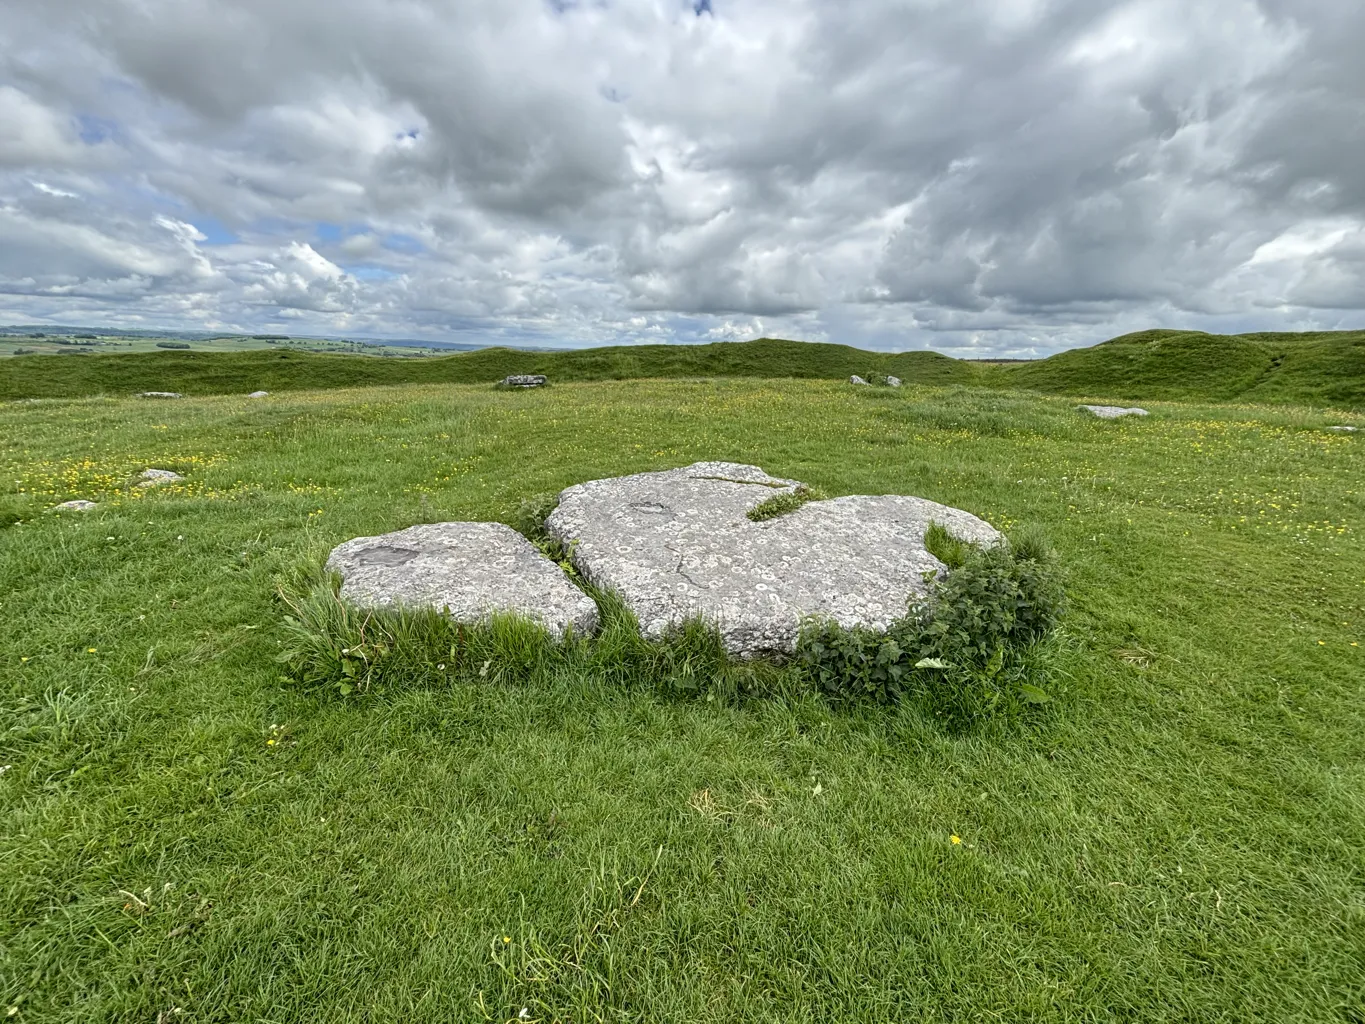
x=894, y=382
x=259, y=394
x=467, y=570
x=161, y=394
x=1113, y=412
x=156, y=477
x=79, y=505
x=525, y=380
x=678, y=544
x=1343, y=429
x=855, y=379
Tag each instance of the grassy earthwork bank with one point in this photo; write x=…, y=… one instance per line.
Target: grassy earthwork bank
x=1323, y=370
x=1178, y=836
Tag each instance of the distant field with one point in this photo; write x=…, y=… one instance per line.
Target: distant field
x=185, y=837
x=87, y=345
x=1323, y=370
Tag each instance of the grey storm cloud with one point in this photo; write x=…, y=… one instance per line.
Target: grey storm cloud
x=982, y=176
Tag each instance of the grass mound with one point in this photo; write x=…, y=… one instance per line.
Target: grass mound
x=1325, y=369
x=226, y=373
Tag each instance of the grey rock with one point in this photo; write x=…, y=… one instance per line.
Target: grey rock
x=855, y=379
x=156, y=477
x=259, y=394
x=894, y=382
x=1113, y=412
x=1343, y=429
x=161, y=394
x=678, y=544
x=467, y=570
x=525, y=380
x=79, y=505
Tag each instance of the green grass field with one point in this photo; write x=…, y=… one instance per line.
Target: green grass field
x=1325, y=370
x=1180, y=836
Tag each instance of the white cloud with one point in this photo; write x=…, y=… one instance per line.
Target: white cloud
x=977, y=176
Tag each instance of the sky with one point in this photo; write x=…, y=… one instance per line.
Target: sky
x=979, y=177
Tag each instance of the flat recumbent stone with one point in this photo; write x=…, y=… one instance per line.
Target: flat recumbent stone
x=679, y=544
x=469, y=571
x=1113, y=412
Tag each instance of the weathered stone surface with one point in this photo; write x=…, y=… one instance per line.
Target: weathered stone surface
x=894, y=382
x=678, y=544
x=1113, y=412
x=525, y=380
x=259, y=394
x=855, y=379
x=79, y=505
x=155, y=477
x=468, y=570
x=161, y=394
x=1344, y=429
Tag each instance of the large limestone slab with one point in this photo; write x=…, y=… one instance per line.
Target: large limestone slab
x=467, y=570
x=679, y=544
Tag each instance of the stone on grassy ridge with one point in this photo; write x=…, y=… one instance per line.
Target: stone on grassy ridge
x=161, y=394
x=1113, y=412
x=1343, y=429
x=79, y=505
x=679, y=544
x=855, y=379
x=467, y=570
x=525, y=380
x=155, y=477
x=894, y=382
x=259, y=394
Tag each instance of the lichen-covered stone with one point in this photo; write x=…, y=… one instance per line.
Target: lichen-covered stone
x=1113, y=412
x=679, y=544
x=469, y=571
x=259, y=394
x=79, y=505
x=525, y=380
x=855, y=379
x=161, y=394
x=894, y=382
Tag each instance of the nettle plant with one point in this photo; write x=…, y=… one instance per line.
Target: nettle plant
x=977, y=647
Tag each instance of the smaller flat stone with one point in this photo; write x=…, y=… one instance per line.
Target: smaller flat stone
x=855, y=379
x=161, y=394
x=79, y=505
x=259, y=394
x=894, y=382
x=525, y=380
x=156, y=477
x=1343, y=429
x=469, y=571
x=1113, y=412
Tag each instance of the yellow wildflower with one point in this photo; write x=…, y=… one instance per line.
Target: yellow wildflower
x=957, y=840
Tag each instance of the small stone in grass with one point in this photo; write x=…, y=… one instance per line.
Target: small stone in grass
x=1113, y=412
x=161, y=394
x=154, y=477
x=524, y=380
x=855, y=379
x=894, y=382
x=259, y=394
x=1343, y=429
x=79, y=505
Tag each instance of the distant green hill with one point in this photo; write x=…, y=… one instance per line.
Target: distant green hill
x=213, y=373
x=1323, y=369
x=1326, y=368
